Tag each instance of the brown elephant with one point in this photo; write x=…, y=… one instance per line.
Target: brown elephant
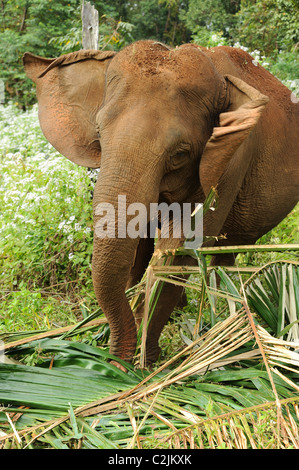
x=167, y=125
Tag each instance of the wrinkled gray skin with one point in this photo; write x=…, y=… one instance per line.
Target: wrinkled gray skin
x=167, y=125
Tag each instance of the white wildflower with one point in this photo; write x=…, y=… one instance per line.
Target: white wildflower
x=67, y=228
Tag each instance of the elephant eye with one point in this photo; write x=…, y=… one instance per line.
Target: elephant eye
x=179, y=159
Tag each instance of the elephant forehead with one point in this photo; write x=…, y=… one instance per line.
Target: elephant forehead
x=153, y=61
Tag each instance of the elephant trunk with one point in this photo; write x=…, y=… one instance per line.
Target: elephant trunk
x=119, y=185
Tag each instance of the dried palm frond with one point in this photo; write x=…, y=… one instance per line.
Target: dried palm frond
x=250, y=428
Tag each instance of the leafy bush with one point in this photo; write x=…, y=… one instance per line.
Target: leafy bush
x=285, y=67
x=29, y=26
x=270, y=25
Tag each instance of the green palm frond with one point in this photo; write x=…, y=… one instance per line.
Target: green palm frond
x=274, y=294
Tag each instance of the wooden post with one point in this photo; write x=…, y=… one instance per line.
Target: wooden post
x=90, y=26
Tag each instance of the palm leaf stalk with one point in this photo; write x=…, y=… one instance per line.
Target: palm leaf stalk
x=87, y=324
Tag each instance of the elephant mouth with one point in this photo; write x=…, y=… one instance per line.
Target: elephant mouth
x=178, y=195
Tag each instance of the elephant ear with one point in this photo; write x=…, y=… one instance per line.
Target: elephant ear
x=70, y=91
x=242, y=114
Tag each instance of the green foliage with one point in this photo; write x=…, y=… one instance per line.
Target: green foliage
x=204, y=18
x=115, y=34
x=274, y=295
x=285, y=67
x=29, y=26
x=268, y=25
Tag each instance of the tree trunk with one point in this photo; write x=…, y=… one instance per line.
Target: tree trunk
x=22, y=26
x=90, y=26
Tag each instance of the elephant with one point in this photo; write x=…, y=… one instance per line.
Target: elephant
x=167, y=125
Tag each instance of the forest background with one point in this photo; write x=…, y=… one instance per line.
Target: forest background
x=267, y=28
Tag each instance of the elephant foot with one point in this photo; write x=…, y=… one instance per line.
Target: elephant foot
x=123, y=341
x=123, y=354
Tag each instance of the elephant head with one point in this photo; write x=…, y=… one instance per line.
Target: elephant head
x=164, y=125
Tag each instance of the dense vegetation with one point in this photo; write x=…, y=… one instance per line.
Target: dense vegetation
x=49, y=318
x=50, y=28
